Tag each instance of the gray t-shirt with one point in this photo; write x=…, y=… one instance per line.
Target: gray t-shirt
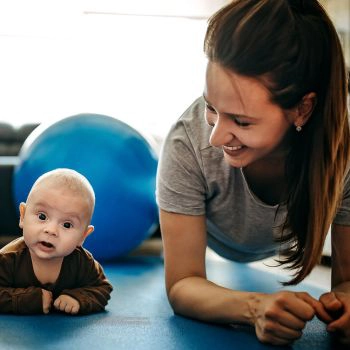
x=194, y=179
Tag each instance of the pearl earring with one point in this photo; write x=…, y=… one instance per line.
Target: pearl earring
x=298, y=128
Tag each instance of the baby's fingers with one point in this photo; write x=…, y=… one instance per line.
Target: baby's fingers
x=74, y=310
x=57, y=304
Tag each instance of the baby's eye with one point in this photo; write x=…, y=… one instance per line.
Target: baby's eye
x=42, y=216
x=67, y=225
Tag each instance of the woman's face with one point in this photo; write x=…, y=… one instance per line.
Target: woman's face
x=246, y=124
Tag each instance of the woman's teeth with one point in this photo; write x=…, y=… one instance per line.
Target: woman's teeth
x=233, y=148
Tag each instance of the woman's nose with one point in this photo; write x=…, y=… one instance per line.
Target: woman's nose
x=221, y=133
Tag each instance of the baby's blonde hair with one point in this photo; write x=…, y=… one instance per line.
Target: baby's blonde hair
x=70, y=179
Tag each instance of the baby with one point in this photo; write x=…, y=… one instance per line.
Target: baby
x=48, y=268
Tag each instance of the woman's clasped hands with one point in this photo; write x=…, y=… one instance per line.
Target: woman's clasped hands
x=280, y=318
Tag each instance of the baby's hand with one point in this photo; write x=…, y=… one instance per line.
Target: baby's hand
x=47, y=300
x=67, y=304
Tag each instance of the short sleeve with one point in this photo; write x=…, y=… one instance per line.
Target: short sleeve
x=343, y=214
x=181, y=185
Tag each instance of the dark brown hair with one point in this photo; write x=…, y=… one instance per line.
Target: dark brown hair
x=293, y=47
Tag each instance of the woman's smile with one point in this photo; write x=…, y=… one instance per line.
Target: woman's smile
x=234, y=151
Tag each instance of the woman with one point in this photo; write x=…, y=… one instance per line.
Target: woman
x=256, y=167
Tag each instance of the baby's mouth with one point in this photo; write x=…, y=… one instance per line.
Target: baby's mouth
x=47, y=244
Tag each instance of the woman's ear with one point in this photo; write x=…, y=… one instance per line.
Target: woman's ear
x=304, y=109
x=22, y=210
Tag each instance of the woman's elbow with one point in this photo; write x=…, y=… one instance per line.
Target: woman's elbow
x=173, y=292
x=180, y=293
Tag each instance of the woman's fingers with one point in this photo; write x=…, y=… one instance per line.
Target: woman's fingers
x=283, y=316
x=332, y=304
x=319, y=308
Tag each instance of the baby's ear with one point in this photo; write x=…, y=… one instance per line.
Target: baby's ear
x=88, y=231
x=22, y=210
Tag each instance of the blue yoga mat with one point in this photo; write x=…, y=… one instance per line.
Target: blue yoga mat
x=138, y=316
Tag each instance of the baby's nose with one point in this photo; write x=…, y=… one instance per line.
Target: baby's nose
x=51, y=229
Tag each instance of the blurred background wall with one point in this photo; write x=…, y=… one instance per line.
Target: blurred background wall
x=141, y=62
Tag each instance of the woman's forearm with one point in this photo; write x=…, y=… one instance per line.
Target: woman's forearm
x=277, y=318
x=201, y=299
x=342, y=287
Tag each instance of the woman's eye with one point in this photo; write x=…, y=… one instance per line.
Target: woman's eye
x=240, y=122
x=42, y=216
x=67, y=225
x=209, y=120
x=210, y=108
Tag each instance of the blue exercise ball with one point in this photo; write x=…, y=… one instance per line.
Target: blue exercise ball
x=118, y=161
